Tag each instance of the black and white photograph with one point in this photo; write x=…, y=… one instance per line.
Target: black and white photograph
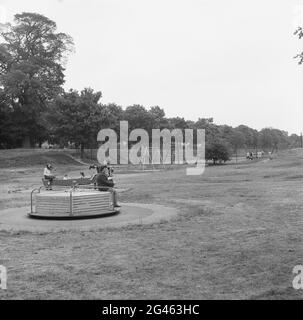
x=151, y=151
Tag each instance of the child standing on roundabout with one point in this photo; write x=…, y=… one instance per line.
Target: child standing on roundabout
x=48, y=175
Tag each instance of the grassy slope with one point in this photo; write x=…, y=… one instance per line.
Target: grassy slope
x=238, y=235
x=23, y=158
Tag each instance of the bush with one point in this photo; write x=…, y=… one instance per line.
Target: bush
x=217, y=152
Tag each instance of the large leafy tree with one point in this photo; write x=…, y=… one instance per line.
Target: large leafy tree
x=176, y=123
x=9, y=138
x=32, y=55
x=212, y=132
x=249, y=135
x=74, y=117
x=237, y=140
x=109, y=116
x=274, y=139
x=138, y=117
x=158, y=117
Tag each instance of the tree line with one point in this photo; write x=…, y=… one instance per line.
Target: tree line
x=35, y=108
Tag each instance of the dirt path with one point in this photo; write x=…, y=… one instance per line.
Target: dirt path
x=16, y=219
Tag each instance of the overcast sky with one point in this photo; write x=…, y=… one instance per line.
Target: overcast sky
x=230, y=60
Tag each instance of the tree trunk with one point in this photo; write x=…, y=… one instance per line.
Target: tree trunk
x=26, y=144
x=82, y=151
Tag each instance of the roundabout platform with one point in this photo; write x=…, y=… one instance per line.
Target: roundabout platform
x=17, y=219
x=72, y=204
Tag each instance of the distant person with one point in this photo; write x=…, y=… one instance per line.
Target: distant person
x=48, y=175
x=104, y=183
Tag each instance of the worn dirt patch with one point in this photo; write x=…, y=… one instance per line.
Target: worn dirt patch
x=16, y=219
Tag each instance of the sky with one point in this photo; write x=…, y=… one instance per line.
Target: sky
x=230, y=60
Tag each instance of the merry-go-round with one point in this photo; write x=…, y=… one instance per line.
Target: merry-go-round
x=71, y=199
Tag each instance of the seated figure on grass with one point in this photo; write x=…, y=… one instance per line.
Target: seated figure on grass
x=103, y=182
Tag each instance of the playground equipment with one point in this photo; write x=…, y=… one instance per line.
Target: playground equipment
x=73, y=203
x=68, y=182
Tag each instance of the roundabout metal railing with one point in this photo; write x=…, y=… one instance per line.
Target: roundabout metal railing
x=71, y=191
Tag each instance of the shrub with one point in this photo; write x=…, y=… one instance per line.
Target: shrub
x=217, y=152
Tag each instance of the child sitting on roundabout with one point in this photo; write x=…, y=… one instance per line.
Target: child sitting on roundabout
x=104, y=182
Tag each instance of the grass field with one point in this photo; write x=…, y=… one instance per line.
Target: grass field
x=238, y=236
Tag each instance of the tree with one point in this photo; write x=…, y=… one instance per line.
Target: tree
x=237, y=140
x=177, y=123
x=9, y=137
x=273, y=139
x=294, y=141
x=225, y=134
x=109, y=116
x=299, y=32
x=211, y=130
x=73, y=118
x=217, y=152
x=249, y=135
x=31, y=69
x=138, y=117
x=158, y=117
